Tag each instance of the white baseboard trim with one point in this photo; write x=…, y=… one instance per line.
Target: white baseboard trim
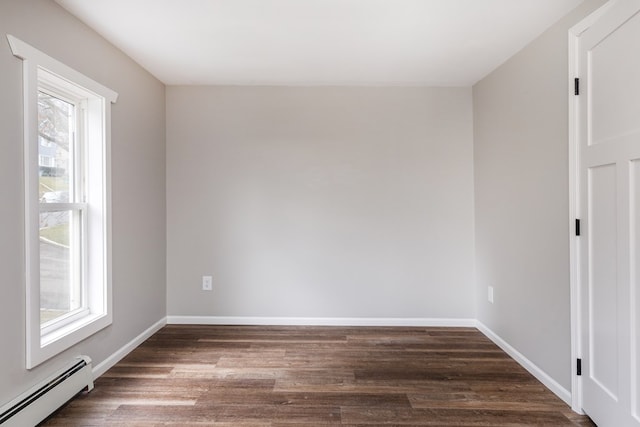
x=533, y=369
x=318, y=321
x=110, y=361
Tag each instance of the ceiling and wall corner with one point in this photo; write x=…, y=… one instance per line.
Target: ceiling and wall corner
x=320, y=42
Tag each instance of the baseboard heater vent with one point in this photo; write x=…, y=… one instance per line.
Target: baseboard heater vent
x=42, y=400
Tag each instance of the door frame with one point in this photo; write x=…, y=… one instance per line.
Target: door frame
x=574, y=201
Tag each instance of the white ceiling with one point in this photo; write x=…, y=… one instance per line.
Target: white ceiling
x=320, y=42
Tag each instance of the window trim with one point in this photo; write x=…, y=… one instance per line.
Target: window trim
x=41, y=347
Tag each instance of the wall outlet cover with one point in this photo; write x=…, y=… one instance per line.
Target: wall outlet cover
x=207, y=283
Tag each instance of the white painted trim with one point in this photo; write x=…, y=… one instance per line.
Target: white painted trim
x=110, y=361
x=574, y=200
x=27, y=52
x=533, y=369
x=318, y=321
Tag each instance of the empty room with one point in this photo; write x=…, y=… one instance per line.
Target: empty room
x=320, y=212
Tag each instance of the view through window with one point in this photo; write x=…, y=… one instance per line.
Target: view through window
x=59, y=223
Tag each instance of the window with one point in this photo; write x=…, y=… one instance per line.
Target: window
x=67, y=204
x=46, y=161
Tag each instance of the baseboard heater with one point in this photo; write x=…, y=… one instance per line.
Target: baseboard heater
x=42, y=400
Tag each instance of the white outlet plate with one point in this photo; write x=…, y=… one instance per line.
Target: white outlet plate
x=490, y=294
x=207, y=283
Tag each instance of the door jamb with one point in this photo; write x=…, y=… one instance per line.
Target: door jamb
x=574, y=201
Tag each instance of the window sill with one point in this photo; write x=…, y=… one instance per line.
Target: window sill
x=69, y=328
x=65, y=337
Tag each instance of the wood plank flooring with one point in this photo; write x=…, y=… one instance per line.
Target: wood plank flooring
x=316, y=376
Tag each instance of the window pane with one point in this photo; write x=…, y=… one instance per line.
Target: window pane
x=59, y=290
x=55, y=132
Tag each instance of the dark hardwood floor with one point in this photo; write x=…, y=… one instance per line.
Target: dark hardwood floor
x=316, y=376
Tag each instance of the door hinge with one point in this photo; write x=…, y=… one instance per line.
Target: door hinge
x=576, y=86
x=579, y=367
x=577, y=227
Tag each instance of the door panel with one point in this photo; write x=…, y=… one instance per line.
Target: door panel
x=602, y=279
x=611, y=85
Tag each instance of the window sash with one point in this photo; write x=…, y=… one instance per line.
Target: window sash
x=50, y=327
x=77, y=282
x=65, y=206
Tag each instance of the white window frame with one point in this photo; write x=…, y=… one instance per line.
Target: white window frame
x=44, y=343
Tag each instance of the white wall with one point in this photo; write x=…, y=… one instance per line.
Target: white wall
x=521, y=199
x=138, y=186
x=320, y=202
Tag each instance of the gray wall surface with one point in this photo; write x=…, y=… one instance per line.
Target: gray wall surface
x=314, y=202
x=320, y=202
x=138, y=186
x=522, y=199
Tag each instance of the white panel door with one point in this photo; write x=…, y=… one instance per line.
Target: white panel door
x=609, y=159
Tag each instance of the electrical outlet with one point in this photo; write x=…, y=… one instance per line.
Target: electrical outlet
x=490, y=294
x=207, y=283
